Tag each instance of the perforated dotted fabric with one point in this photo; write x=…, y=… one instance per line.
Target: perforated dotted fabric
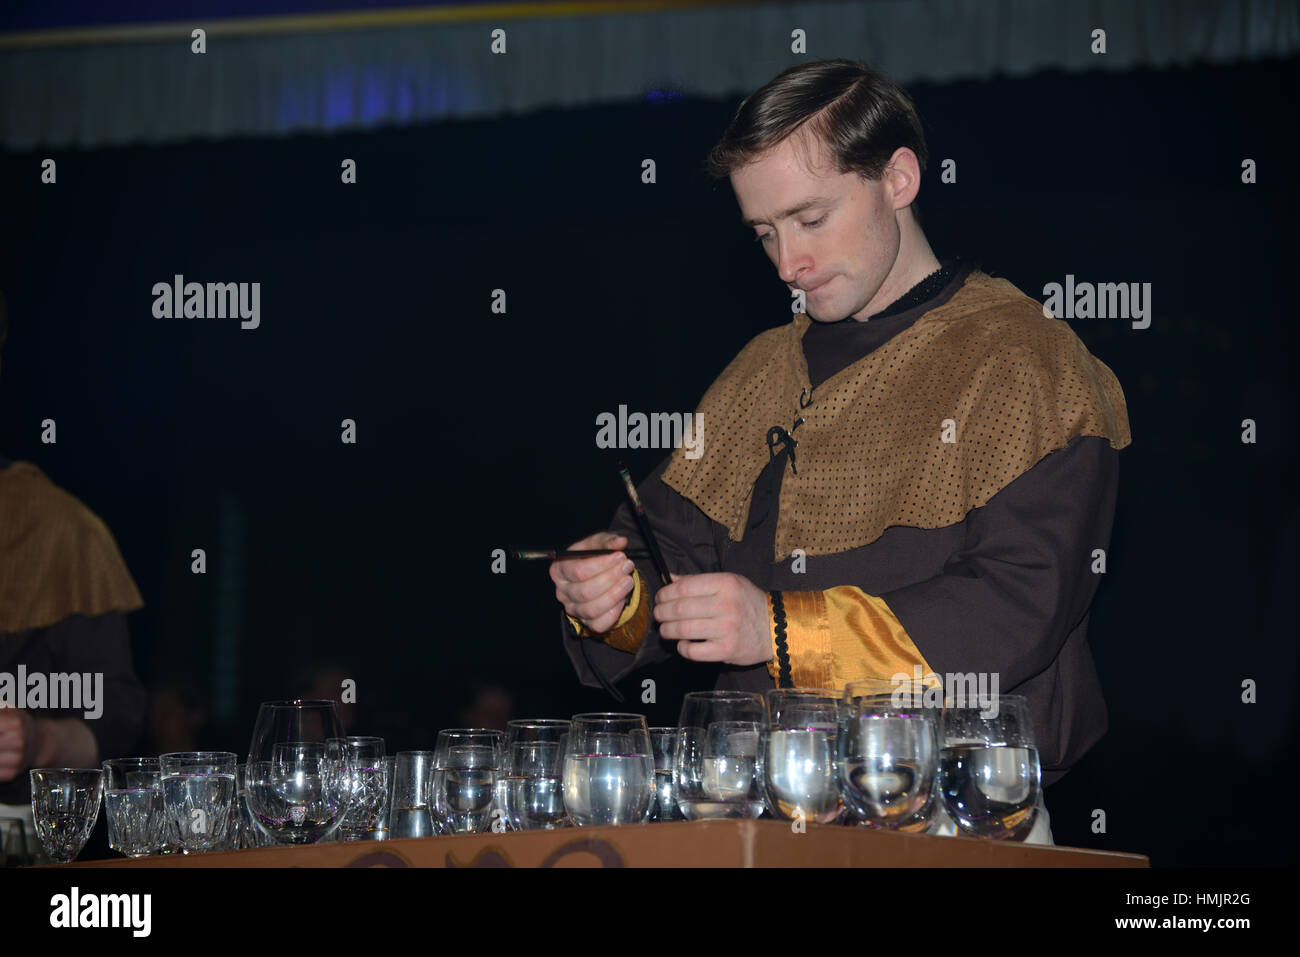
x=1015, y=385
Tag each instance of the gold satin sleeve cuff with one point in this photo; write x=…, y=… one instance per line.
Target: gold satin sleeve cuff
x=843, y=634
x=807, y=638
x=628, y=633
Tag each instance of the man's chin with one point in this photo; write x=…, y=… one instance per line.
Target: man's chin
x=823, y=315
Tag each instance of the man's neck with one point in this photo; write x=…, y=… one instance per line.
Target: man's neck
x=915, y=261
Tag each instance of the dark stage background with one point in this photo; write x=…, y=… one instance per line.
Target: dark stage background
x=474, y=430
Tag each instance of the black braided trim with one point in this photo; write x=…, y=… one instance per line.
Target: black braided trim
x=785, y=678
x=591, y=666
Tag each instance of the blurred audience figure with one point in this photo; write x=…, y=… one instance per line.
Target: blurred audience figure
x=490, y=705
x=324, y=681
x=178, y=715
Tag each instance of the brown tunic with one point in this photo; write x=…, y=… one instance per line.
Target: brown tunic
x=1005, y=585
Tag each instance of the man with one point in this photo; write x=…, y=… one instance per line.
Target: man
x=64, y=594
x=917, y=471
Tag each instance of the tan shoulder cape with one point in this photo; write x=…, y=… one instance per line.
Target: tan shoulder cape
x=56, y=557
x=927, y=427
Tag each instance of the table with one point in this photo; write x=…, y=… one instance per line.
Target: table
x=748, y=843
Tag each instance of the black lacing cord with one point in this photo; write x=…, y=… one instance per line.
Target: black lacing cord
x=604, y=682
x=785, y=677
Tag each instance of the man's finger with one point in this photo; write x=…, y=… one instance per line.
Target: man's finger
x=682, y=609
x=599, y=540
x=11, y=734
x=583, y=569
x=691, y=629
x=692, y=586
x=701, y=650
x=617, y=576
x=603, y=604
x=563, y=569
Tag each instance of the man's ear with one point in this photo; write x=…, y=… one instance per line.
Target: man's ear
x=903, y=177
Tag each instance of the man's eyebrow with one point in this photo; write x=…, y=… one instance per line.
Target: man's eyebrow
x=792, y=211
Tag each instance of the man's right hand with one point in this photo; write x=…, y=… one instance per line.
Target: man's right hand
x=594, y=590
x=19, y=741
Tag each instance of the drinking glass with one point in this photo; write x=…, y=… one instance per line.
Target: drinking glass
x=663, y=742
x=384, y=820
x=530, y=786
x=608, y=769
x=716, y=765
x=887, y=747
x=281, y=722
x=545, y=730
x=797, y=755
x=362, y=750
x=931, y=818
x=357, y=764
x=65, y=805
x=247, y=833
x=134, y=806
x=198, y=762
x=294, y=797
x=536, y=729
x=989, y=774
x=199, y=797
x=409, y=814
x=13, y=842
x=297, y=720
x=462, y=795
x=363, y=745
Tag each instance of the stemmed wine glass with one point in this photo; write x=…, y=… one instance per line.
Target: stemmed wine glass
x=887, y=747
x=65, y=806
x=298, y=720
x=716, y=765
x=295, y=797
x=989, y=773
x=797, y=755
x=247, y=833
x=608, y=769
x=291, y=783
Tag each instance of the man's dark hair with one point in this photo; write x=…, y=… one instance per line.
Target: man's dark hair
x=4, y=321
x=860, y=114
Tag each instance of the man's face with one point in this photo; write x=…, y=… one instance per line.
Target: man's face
x=834, y=235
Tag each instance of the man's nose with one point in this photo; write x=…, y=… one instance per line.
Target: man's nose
x=792, y=260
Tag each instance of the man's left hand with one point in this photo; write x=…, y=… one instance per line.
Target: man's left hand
x=716, y=616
